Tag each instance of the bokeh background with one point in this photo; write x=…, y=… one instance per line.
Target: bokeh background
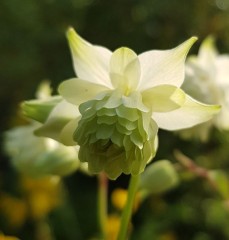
x=33, y=48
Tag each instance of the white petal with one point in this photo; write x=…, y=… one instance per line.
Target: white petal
x=221, y=120
x=164, y=67
x=66, y=136
x=61, y=115
x=91, y=63
x=125, y=69
x=163, y=98
x=190, y=114
x=77, y=91
x=222, y=66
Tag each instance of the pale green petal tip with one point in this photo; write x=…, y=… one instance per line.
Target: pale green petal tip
x=31, y=110
x=71, y=33
x=44, y=90
x=39, y=110
x=74, y=39
x=208, y=43
x=185, y=46
x=215, y=108
x=191, y=41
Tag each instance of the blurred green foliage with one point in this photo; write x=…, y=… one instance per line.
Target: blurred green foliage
x=33, y=48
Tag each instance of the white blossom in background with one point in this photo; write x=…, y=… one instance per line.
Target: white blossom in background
x=39, y=156
x=207, y=79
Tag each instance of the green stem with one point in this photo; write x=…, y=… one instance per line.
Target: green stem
x=102, y=203
x=126, y=214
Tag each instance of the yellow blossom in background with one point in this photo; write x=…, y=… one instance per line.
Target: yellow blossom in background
x=2, y=237
x=39, y=197
x=112, y=227
x=42, y=195
x=119, y=198
x=13, y=209
x=168, y=236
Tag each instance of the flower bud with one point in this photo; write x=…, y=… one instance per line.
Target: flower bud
x=158, y=177
x=40, y=109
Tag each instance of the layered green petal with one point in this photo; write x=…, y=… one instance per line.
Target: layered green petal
x=61, y=115
x=77, y=90
x=39, y=110
x=117, y=138
x=164, y=67
x=190, y=114
x=164, y=98
x=125, y=70
x=91, y=63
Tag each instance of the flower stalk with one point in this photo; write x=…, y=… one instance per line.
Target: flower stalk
x=126, y=214
x=102, y=202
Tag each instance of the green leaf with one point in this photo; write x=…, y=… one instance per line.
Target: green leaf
x=221, y=181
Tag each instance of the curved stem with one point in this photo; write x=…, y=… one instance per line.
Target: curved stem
x=102, y=202
x=126, y=215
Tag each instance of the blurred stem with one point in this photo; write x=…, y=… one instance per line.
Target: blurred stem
x=43, y=230
x=126, y=214
x=102, y=202
x=189, y=164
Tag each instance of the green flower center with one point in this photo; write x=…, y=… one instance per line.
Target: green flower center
x=116, y=134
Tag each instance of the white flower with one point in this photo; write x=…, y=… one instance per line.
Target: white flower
x=39, y=156
x=120, y=100
x=207, y=79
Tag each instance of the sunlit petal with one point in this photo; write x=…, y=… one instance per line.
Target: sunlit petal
x=164, y=98
x=164, y=67
x=190, y=114
x=125, y=69
x=91, y=63
x=77, y=90
x=222, y=65
x=66, y=135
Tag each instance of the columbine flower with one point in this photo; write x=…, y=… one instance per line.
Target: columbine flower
x=207, y=79
x=121, y=100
